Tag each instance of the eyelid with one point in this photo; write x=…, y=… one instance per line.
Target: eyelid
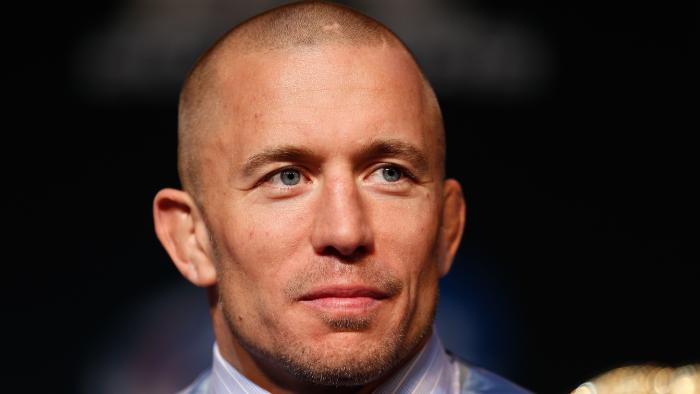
x=305, y=178
x=404, y=170
x=267, y=177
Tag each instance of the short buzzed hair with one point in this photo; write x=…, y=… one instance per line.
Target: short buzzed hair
x=305, y=23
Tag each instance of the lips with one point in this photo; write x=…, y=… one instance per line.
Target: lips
x=344, y=292
x=346, y=299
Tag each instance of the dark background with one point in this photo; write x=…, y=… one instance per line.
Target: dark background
x=576, y=157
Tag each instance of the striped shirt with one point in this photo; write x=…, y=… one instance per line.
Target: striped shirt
x=430, y=371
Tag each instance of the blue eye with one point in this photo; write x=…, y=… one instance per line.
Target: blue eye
x=290, y=177
x=391, y=174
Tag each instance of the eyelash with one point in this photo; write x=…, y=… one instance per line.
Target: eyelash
x=404, y=172
x=277, y=172
x=405, y=179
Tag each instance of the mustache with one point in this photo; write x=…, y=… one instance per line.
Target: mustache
x=326, y=273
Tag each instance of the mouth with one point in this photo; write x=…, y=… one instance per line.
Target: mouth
x=344, y=299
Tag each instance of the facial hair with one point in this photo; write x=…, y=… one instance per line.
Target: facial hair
x=320, y=366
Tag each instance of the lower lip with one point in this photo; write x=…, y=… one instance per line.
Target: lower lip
x=343, y=304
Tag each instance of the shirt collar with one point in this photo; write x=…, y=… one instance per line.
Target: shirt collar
x=225, y=379
x=428, y=371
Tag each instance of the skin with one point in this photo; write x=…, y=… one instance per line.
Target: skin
x=259, y=245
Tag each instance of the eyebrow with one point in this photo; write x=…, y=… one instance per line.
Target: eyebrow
x=374, y=149
x=283, y=153
x=395, y=148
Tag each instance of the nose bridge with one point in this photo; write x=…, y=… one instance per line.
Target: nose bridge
x=341, y=224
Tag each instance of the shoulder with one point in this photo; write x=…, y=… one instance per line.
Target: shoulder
x=200, y=385
x=473, y=379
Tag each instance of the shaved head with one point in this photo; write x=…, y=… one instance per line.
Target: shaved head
x=289, y=27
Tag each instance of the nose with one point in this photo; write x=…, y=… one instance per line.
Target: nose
x=341, y=227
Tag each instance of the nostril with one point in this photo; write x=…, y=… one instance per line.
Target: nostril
x=348, y=256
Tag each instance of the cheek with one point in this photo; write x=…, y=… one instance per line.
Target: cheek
x=405, y=237
x=409, y=226
x=260, y=240
x=257, y=246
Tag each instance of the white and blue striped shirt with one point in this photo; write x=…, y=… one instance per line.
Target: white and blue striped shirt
x=432, y=370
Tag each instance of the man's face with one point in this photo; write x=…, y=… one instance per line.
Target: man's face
x=323, y=197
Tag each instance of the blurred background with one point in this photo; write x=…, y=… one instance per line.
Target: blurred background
x=569, y=125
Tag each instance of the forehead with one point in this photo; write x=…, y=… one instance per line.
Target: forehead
x=323, y=97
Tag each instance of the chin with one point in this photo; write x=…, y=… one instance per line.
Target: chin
x=330, y=355
x=349, y=358
x=340, y=343
x=341, y=358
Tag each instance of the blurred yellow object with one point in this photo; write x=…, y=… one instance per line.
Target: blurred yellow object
x=645, y=379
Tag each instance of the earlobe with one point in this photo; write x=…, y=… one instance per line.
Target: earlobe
x=453, y=220
x=183, y=233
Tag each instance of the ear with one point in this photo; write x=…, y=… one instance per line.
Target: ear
x=453, y=219
x=184, y=235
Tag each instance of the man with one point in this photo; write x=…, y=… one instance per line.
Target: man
x=315, y=209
